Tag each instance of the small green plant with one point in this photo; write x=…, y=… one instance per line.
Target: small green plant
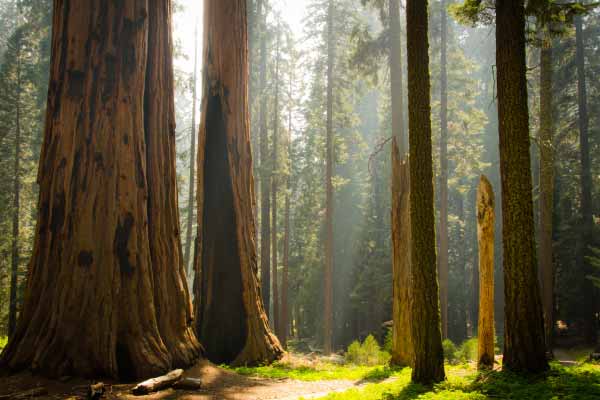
x=468, y=350
x=388, y=341
x=3, y=342
x=450, y=352
x=366, y=353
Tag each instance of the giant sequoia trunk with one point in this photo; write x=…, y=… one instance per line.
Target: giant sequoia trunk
x=106, y=291
x=426, y=334
x=230, y=314
x=486, y=220
x=274, y=190
x=546, y=197
x=524, y=344
x=586, y=191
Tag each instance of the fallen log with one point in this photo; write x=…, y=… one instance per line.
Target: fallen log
x=188, y=384
x=37, y=392
x=158, y=383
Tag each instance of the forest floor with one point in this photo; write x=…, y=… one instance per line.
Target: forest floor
x=311, y=377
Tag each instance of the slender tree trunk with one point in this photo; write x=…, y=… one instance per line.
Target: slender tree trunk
x=401, y=334
x=485, y=237
x=191, y=181
x=443, y=258
x=586, y=189
x=328, y=273
x=285, y=320
x=226, y=257
x=401, y=289
x=106, y=264
x=426, y=329
x=546, y=197
x=15, y=257
x=265, y=170
x=524, y=344
x=274, y=190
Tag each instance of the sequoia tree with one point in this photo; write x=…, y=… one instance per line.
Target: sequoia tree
x=106, y=291
x=426, y=328
x=230, y=314
x=524, y=344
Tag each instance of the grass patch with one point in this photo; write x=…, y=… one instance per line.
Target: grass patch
x=464, y=383
x=318, y=371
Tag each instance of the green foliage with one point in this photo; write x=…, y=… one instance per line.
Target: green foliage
x=468, y=350
x=577, y=383
x=388, y=341
x=3, y=342
x=450, y=351
x=366, y=353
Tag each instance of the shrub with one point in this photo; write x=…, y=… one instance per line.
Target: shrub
x=3, y=341
x=450, y=352
x=367, y=353
x=388, y=341
x=468, y=350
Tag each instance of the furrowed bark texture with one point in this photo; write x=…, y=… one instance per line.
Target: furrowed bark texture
x=401, y=306
x=106, y=292
x=426, y=328
x=485, y=237
x=524, y=344
x=443, y=256
x=230, y=313
x=546, y=197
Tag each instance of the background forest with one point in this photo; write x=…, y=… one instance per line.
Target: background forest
x=290, y=50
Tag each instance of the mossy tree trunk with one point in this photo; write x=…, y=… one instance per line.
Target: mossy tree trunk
x=230, y=314
x=524, y=344
x=106, y=292
x=426, y=328
x=485, y=236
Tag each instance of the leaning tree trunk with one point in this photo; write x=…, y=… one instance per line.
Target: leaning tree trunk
x=587, y=220
x=485, y=237
x=546, y=198
x=426, y=329
x=328, y=272
x=443, y=257
x=230, y=314
x=106, y=264
x=524, y=344
x=401, y=248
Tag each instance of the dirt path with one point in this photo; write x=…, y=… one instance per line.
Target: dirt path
x=217, y=384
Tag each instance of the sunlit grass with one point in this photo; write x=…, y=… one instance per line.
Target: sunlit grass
x=464, y=383
x=319, y=371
